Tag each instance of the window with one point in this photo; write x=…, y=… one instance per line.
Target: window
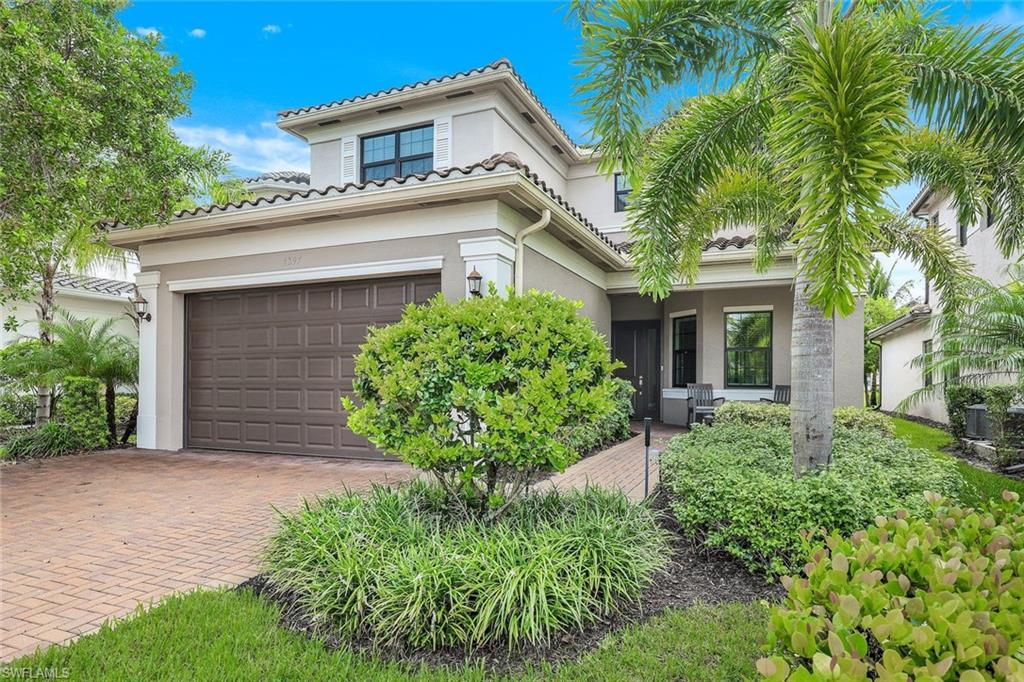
x=926, y=352
x=748, y=349
x=621, y=193
x=962, y=230
x=397, y=154
x=684, y=350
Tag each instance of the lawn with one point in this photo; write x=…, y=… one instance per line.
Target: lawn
x=234, y=635
x=984, y=484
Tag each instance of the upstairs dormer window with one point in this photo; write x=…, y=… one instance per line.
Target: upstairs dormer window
x=398, y=153
x=621, y=192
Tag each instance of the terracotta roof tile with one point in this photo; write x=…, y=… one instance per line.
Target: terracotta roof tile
x=720, y=243
x=297, y=177
x=99, y=285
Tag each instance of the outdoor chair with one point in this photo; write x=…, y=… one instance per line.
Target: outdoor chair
x=781, y=395
x=701, y=402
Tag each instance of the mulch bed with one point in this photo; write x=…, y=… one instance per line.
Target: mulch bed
x=694, y=575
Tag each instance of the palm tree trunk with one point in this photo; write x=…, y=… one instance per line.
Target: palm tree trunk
x=111, y=420
x=813, y=396
x=44, y=311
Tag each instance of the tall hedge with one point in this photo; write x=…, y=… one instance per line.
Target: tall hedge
x=83, y=412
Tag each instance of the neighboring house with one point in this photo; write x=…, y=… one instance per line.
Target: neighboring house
x=908, y=337
x=259, y=307
x=102, y=292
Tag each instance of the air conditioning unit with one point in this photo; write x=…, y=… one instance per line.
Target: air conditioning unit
x=977, y=422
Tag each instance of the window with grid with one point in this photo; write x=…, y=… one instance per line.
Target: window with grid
x=748, y=349
x=397, y=154
x=621, y=192
x=684, y=350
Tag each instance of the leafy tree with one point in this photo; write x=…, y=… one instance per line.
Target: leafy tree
x=877, y=311
x=78, y=348
x=882, y=285
x=479, y=391
x=825, y=107
x=85, y=108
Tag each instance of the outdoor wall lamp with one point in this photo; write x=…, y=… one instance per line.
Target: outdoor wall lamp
x=141, y=306
x=475, y=280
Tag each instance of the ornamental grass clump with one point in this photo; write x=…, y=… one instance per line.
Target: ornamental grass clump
x=483, y=392
x=732, y=487
x=406, y=567
x=940, y=597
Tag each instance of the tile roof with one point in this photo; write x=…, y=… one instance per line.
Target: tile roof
x=720, y=243
x=502, y=64
x=297, y=177
x=99, y=285
x=498, y=162
x=918, y=312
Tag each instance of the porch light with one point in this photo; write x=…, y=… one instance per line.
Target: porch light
x=475, y=280
x=141, y=306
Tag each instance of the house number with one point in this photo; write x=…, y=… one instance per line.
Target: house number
x=292, y=260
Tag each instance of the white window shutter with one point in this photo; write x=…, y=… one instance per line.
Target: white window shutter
x=442, y=142
x=349, y=160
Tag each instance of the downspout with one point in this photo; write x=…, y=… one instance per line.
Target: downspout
x=545, y=219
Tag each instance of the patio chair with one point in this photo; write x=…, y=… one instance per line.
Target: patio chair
x=701, y=402
x=781, y=395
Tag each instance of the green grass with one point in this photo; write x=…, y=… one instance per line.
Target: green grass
x=982, y=484
x=230, y=635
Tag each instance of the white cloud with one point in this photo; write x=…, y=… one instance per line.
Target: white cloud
x=271, y=28
x=147, y=31
x=198, y=33
x=268, y=150
x=1008, y=14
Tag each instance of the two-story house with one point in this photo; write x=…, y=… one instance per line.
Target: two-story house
x=258, y=308
x=913, y=334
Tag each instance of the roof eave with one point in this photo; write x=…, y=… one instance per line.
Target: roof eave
x=884, y=330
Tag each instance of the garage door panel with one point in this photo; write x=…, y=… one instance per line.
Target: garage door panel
x=267, y=367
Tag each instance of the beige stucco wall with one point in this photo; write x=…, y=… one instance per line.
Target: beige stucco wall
x=545, y=274
x=900, y=378
x=594, y=194
x=78, y=305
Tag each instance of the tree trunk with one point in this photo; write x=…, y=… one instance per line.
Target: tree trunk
x=111, y=419
x=130, y=427
x=44, y=312
x=813, y=395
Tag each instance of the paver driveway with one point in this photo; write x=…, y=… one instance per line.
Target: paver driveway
x=89, y=537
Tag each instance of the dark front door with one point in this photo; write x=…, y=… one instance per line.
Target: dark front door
x=638, y=345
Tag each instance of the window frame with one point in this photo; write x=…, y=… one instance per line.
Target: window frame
x=677, y=354
x=398, y=159
x=620, y=196
x=926, y=350
x=770, y=349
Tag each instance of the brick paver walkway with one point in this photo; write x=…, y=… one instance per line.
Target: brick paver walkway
x=89, y=537
x=620, y=466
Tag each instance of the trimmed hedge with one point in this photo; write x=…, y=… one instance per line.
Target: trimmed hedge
x=732, y=487
x=406, y=567
x=934, y=598
x=770, y=414
x=607, y=429
x=83, y=411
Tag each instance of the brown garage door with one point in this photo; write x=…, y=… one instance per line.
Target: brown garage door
x=266, y=368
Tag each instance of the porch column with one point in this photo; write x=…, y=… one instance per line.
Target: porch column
x=493, y=257
x=148, y=283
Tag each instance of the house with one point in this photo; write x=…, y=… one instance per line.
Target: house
x=258, y=307
x=102, y=292
x=908, y=337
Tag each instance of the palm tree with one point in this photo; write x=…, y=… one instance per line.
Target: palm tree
x=881, y=285
x=826, y=108
x=78, y=347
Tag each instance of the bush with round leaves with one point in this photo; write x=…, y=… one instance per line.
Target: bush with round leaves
x=940, y=597
x=770, y=414
x=478, y=391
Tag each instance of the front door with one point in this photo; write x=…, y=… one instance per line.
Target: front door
x=638, y=345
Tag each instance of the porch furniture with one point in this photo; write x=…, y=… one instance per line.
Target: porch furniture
x=781, y=395
x=701, y=402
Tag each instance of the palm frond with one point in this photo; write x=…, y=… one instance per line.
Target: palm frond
x=947, y=164
x=839, y=130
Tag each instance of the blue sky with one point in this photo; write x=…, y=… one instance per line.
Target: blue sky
x=251, y=59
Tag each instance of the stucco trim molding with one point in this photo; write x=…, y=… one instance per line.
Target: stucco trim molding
x=301, y=275
x=492, y=257
x=748, y=308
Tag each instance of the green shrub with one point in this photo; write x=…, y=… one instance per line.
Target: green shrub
x=83, y=412
x=52, y=439
x=770, y=414
x=124, y=406
x=16, y=409
x=405, y=567
x=477, y=391
x=733, y=487
x=610, y=428
x=934, y=598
